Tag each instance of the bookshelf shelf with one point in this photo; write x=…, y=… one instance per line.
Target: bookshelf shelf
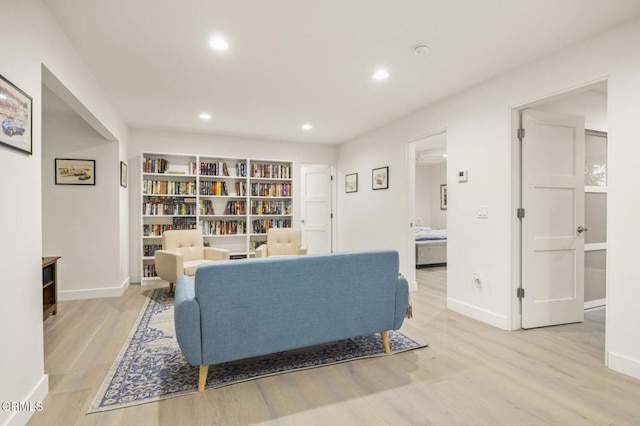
x=226, y=198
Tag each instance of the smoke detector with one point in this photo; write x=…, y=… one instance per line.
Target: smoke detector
x=421, y=49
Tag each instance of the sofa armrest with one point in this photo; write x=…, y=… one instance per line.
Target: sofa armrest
x=169, y=265
x=303, y=250
x=187, y=320
x=402, y=300
x=212, y=253
x=261, y=251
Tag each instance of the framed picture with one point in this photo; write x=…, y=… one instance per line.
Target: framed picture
x=351, y=183
x=15, y=116
x=380, y=178
x=443, y=196
x=123, y=174
x=75, y=172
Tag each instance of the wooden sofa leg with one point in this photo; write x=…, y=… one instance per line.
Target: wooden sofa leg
x=385, y=342
x=202, y=380
x=171, y=287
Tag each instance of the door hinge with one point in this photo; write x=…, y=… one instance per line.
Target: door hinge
x=521, y=133
x=331, y=215
x=520, y=213
x=332, y=177
x=520, y=293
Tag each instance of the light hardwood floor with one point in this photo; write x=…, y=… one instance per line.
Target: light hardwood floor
x=471, y=374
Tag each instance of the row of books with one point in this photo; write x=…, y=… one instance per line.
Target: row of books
x=150, y=249
x=262, y=226
x=206, y=207
x=156, y=229
x=271, y=171
x=167, y=187
x=214, y=188
x=155, y=165
x=219, y=168
x=224, y=227
x=232, y=208
x=169, y=206
x=271, y=189
x=271, y=207
x=236, y=207
x=149, y=271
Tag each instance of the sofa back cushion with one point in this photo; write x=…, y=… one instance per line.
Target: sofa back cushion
x=188, y=242
x=283, y=241
x=253, y=307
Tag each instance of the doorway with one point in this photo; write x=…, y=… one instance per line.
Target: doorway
x=316, y=213
x=587, y=268
x=427, y=206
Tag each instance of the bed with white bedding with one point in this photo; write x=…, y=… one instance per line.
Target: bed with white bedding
x=431, y=246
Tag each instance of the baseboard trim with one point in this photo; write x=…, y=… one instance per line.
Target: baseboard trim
x=624, y=365
x=600, y=303
x=37, y=395
x=94, y=293
x=476, y=313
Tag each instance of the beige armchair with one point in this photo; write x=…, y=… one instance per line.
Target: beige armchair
x=182, y=252
x=282, y=242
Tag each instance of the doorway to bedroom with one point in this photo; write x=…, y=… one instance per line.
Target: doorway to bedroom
x=430, y=202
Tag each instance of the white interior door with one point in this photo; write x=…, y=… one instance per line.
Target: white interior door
x=552, y=228
x=316, y=208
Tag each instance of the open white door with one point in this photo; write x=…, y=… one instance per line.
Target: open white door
x=316, y=208
x=552, y=227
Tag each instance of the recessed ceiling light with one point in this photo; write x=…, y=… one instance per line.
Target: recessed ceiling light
x=3, y=96
x=218, y=43
x=307, y=126
x=205, y=116
x=380, y=74
x=444, y=155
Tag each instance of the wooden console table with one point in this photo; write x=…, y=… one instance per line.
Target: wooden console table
x=49, y=286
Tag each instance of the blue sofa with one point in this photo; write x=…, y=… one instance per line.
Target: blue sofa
x=244, y=308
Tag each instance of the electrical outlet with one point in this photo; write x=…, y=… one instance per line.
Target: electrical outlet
x=476, y=279
x=483, y=212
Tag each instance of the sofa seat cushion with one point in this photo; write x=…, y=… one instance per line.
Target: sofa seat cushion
x=190, y=266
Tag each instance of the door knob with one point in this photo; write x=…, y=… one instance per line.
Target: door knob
x=581, y=229
x=302, y=220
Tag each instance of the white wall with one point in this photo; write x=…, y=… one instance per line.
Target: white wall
x=479, y=137
x=422, y=196
x=32, y=38
x=144, y=140
x=79, y=222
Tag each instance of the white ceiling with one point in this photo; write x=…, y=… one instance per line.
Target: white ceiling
x=297, y=61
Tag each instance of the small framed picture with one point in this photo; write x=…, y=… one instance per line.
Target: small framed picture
x=351, y=183
x=16, y=112
x=380, y=178
x=123, y=174
x=75, y=172
x=443, y=196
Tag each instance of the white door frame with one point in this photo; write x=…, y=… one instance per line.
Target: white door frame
x=409, y=194
x=515, y=317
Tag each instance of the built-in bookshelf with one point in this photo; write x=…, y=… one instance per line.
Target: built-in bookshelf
x=233, y=201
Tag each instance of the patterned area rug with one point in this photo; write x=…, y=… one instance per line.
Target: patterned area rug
x=150, y=366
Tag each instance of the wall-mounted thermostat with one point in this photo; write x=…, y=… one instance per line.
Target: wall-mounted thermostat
x=462, y=176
